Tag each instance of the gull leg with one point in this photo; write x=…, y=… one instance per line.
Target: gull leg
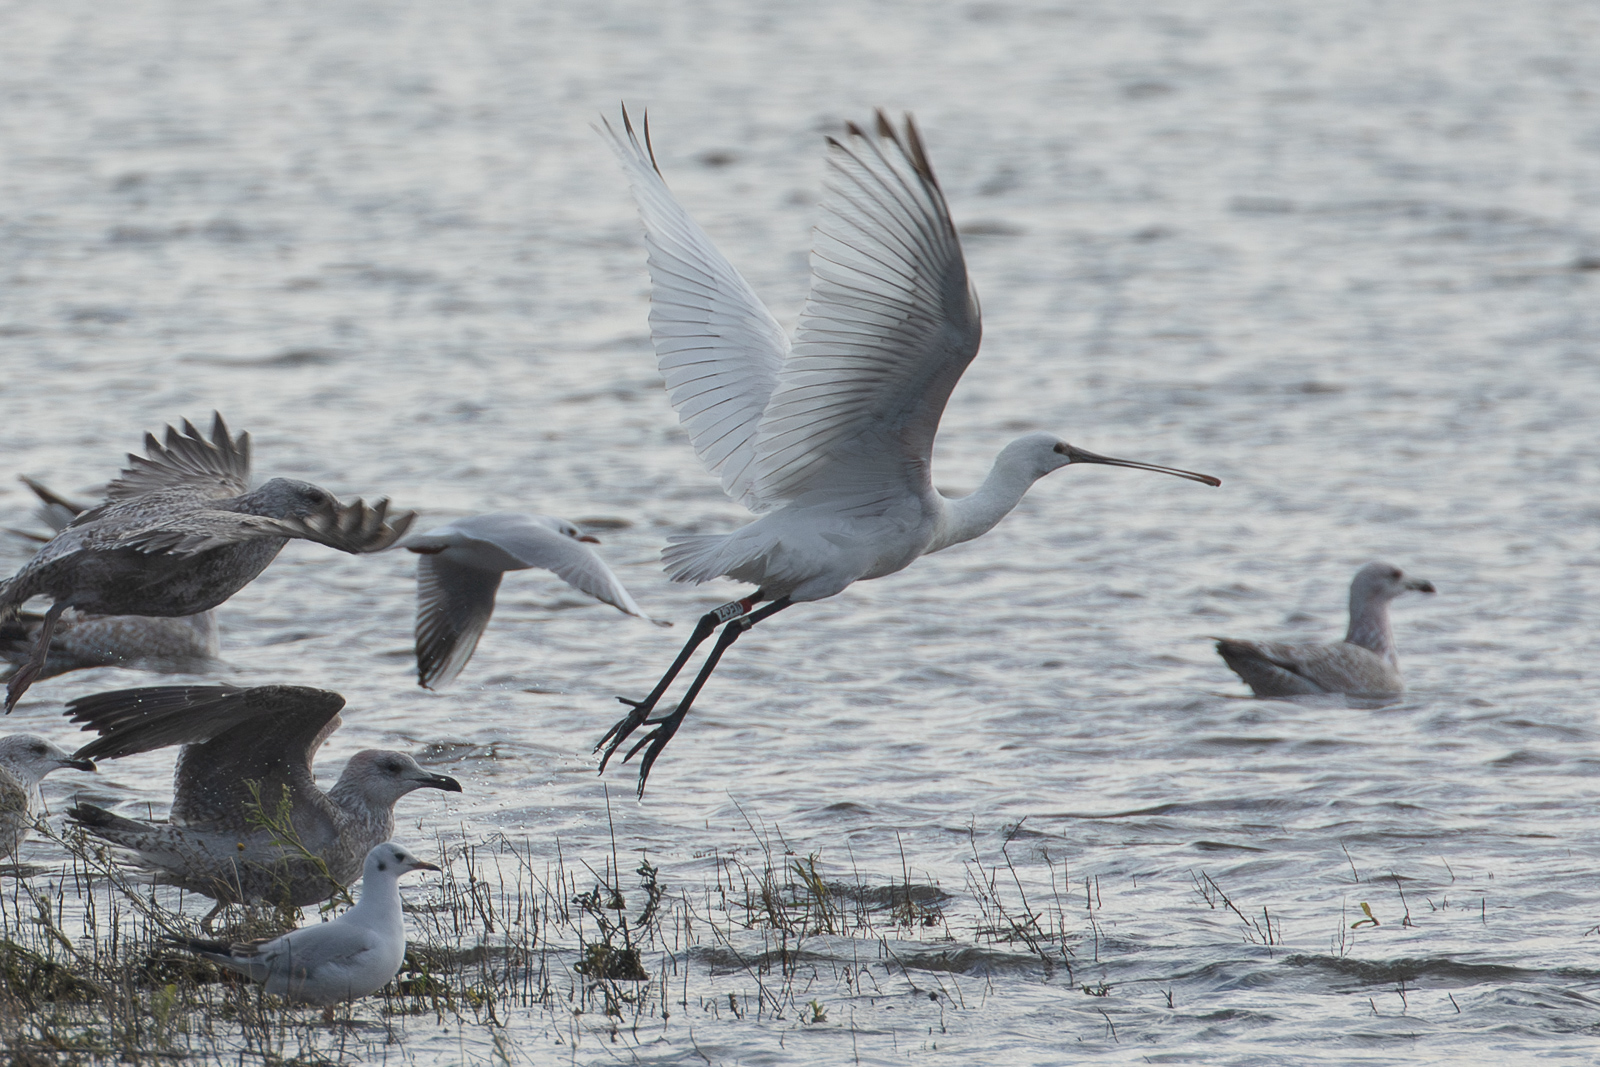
x=211, y=916
x=642, y=708
x=667, y=726
x=24, y=675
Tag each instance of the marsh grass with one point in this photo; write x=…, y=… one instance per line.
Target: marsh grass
x=510, y=938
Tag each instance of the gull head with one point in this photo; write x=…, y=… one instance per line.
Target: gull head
x=383, y=777
x=1383, y=581
x=287, y=498
x=390, y=860
x=30, y=757
x=566, y=529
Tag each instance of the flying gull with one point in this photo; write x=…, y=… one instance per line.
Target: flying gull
x=459, y=570
x=180, y=532
x=352, y=956
x=184, y=644
x=1365, y=663
x=246, y=758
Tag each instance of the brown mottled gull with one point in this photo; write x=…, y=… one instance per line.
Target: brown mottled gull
x=247, y=755
x=185, y=644
x=24, y=760
x=180, y=532
x=1364, y=663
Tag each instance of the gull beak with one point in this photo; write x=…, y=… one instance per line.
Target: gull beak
x=422, y=865
x=1421, y=585
x=439, y=781
x=77, y=764
x=1075, y=454
x=589, y=539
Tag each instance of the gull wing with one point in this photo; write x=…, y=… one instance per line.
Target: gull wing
x=889, y=326
x=537, y=541
x=718, y=347
x=217, y=468
x=454, y=603
x=232, y=737
x=356, y=527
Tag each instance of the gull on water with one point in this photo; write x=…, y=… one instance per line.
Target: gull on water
x=247, y=753
x=184, y=644
x=179, y=532
x=459, y=570
x=828, y=441
x=353, y=956
x=1365, y=663
x=24, y=760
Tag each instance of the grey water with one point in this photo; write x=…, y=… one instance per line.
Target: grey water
x=1345, y=256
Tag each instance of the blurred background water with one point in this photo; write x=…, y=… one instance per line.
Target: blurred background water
x=1344, y=256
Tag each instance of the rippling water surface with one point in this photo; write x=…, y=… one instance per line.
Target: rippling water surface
x=1344, y=256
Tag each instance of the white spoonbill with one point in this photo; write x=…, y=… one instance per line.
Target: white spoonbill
x=459, y=573
x=828, y=441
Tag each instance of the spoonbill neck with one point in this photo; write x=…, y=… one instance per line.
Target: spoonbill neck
x=963, y=518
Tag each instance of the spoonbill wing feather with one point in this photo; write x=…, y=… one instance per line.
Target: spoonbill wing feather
x=454, y=604
x=718, y=347
x=889, y=326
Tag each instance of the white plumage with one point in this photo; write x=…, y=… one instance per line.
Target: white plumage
x=353, y=956
x=828, y=442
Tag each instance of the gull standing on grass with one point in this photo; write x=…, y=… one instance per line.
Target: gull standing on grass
x=829, y=441
x=458, y=573
x=1365, y=663
x=247, y=756
x=181, y=531
x=24, y=761
x=353, y=956
x=183, y=644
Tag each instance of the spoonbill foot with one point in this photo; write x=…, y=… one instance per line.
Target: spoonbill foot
x=642, y=708
x=657, y=740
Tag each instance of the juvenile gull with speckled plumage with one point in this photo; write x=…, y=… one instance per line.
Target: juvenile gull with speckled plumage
x=246, y=754
x=183, y=644
x=180, y=532
x=1365, y=663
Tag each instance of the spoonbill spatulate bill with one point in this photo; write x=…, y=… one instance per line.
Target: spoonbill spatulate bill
x=829, y=440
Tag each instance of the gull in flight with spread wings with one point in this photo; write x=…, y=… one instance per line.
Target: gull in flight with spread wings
x=828, y=441
x=459, y=571
x=182, y=644
x=179, y=532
